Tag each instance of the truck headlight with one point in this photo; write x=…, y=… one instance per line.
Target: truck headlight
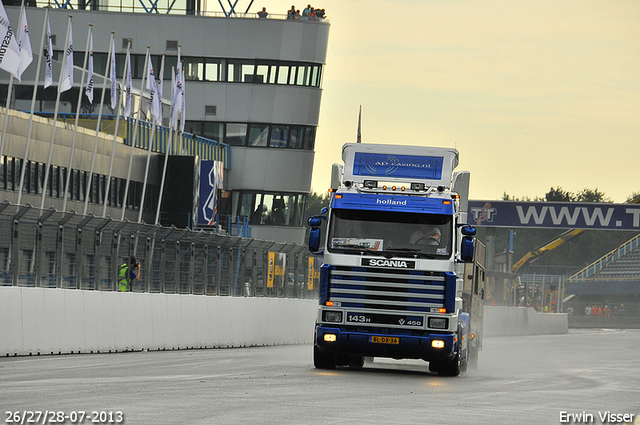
x=438, y=322
x=332, y=316
x=436, y=343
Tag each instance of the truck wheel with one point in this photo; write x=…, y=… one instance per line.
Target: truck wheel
x=322, y=360
x=356, y=362
x=450, y=367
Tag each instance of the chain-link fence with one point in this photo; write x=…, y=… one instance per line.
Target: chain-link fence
x=54, y=249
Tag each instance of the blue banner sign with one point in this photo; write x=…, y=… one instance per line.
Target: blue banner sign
x=211, y=175
x=398, y=166
x=565, y=215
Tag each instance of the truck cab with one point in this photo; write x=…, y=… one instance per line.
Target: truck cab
x=392, y=279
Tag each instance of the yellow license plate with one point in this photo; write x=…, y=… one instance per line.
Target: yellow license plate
x=385, y=340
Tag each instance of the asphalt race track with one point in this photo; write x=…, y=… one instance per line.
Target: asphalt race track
x=521, y=380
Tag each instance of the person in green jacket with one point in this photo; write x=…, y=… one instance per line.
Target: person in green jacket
x=128, y=273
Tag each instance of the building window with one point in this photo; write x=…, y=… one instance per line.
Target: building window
x=236, y=134
x=268, y=208
x=264, y=135
x=258, y=135
x=215, y=69
x=279, y=135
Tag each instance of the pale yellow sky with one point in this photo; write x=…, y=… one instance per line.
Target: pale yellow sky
x=533, y=94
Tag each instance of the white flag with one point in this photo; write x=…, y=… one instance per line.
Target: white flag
x=183, y=102
x=172, y=109
x=67, y=78
x=154, y=108
x=160, y=82
x=113, y=75
x=127, y=96
x=24, y=44
x=48, y=71
x=176, y=98
x=89, y=89
x=10, y=52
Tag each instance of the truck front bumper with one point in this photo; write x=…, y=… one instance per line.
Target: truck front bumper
x=398, y=346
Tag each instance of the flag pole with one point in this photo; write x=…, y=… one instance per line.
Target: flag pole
x=95, y=141
x=115, y=132
x=6, y=115
x=55, y=117
x=33, y=103
x=135, y=134
x=9, y=90
x=164, y=167
x=75, y=129
x=154, y=125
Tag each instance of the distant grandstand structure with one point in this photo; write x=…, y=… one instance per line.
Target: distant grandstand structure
x=612, y=280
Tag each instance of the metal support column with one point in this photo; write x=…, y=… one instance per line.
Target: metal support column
x=219, y=259
x=15, y=243
x=148, y=255
x=254, y=272
x=163, y=261
x=205, y=270
x=37, y=250
x=192, y=271
x=79, y=269
x=60, y=247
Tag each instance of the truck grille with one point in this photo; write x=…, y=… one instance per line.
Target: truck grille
x=374, y=289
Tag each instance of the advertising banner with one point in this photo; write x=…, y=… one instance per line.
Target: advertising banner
x=211, y=180
x=565, y=215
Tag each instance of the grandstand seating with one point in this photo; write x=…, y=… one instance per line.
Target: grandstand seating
x=621, y=264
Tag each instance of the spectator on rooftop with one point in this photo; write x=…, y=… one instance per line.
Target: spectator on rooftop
x=306, y=12
x=263, y=13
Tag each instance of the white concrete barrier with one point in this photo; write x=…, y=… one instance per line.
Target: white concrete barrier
x=503, y=321
x=51, y=321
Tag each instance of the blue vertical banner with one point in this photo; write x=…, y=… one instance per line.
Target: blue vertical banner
x=211, y=180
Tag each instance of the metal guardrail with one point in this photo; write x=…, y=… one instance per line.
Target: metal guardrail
x=593, y=268
x=184, y=143
x=151, y=7
x=56, y=249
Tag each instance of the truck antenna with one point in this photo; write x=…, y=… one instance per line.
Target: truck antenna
x=359, y=135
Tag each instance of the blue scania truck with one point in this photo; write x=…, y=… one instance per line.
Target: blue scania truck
x=399, y=277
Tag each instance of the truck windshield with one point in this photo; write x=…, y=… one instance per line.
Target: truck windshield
x=399, y=234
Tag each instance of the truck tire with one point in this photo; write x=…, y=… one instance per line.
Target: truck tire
x=322, y=360
x=449, y=367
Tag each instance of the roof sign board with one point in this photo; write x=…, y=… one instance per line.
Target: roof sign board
x=400, y=166
x=394, y=163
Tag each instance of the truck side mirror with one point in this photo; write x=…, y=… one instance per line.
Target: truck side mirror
x=314, y=221
x=466, y=249
x=468, y=230
x=314, y=239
